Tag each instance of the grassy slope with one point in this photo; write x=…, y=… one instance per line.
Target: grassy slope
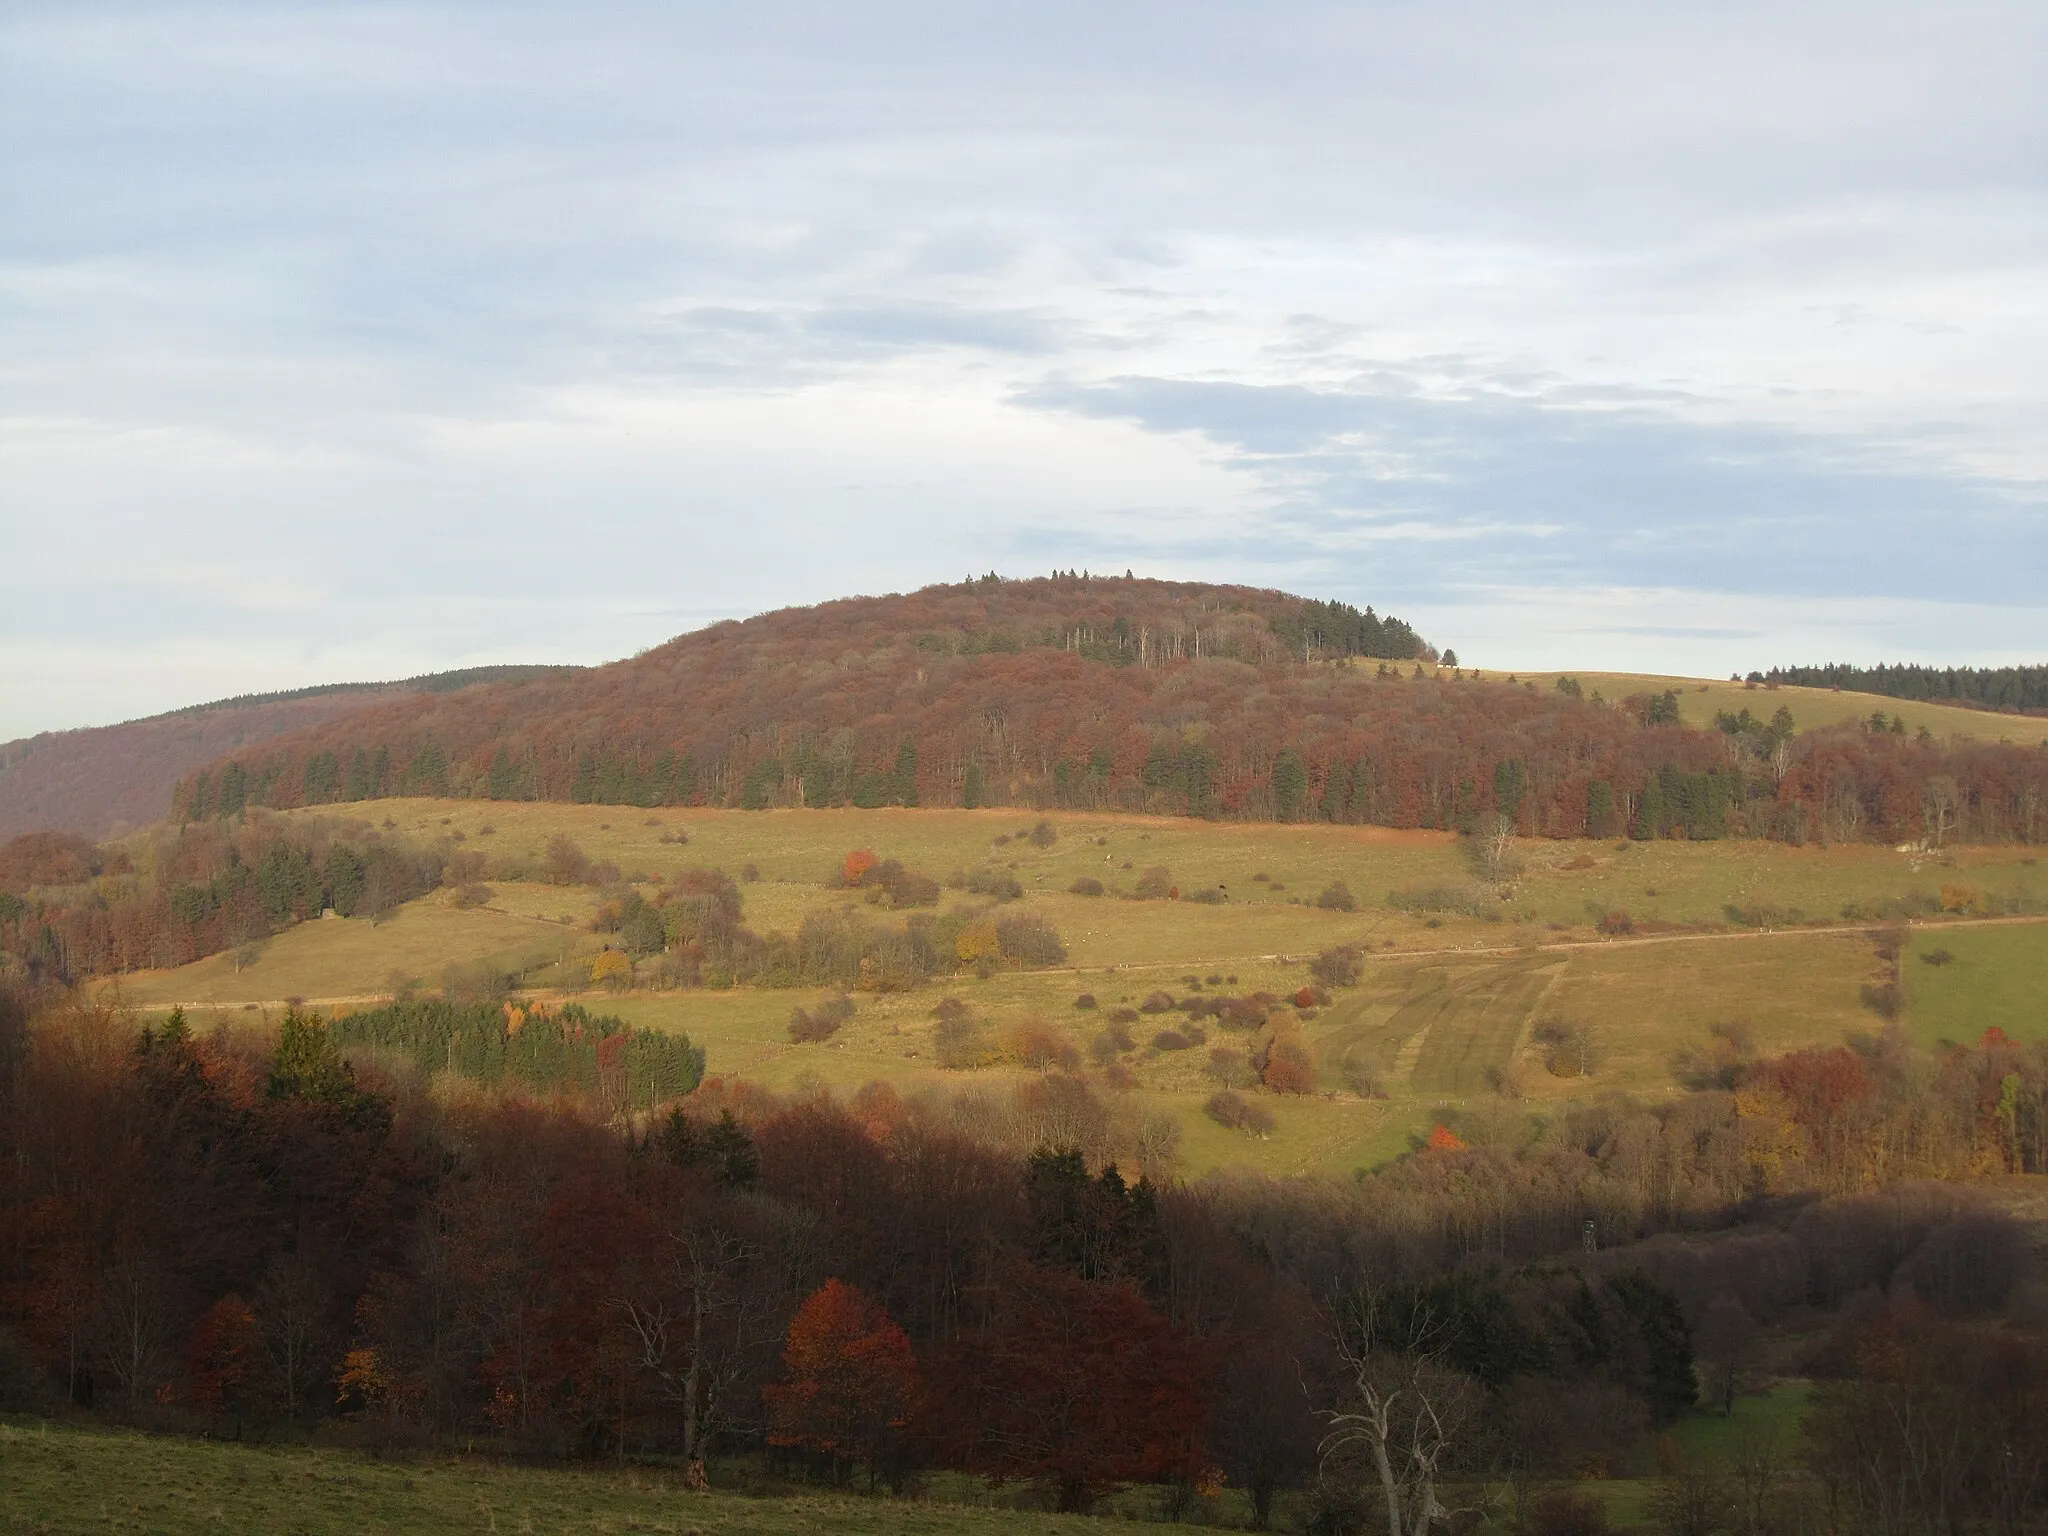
x=65, y=1478
x=1999, y=976
x=1699, y=702
x=1442, y=1014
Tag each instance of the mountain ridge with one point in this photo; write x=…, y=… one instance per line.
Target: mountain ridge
x=1125, y=694
x=94, y=780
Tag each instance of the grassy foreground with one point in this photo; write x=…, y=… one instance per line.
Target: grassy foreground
x=65, y=1478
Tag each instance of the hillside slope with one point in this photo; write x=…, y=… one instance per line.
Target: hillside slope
x=1131, y=695
x=99, y=779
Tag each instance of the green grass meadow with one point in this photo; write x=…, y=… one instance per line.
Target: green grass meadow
x=1998, y=977
x=64, y=1478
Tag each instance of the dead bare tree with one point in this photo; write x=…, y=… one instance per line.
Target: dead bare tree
x=1494, y=851
x=708, y=1310
x=1939, y=803
x=1405, y=1413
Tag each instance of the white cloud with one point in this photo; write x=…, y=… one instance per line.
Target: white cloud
x=534, y=331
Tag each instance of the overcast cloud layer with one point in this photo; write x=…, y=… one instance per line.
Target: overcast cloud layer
x=356, y=341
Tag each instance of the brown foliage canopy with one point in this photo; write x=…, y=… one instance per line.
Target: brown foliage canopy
x=1136, y=695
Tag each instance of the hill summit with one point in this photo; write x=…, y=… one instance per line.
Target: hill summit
x=1170, y=698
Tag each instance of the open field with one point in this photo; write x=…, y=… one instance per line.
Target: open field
x=62, y=1478
x=1451, y=1009
x=1998, y=977
x=1700, y=700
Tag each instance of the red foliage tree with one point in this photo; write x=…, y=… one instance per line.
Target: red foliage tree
x=853, y=1380
x=221, y=1359
x=1078, y=1385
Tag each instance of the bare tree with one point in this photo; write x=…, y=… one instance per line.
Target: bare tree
x=1727, y=1339
x=706, y=1313
x=1939, y=803
x=292, y=1309
x=1404, y=1414
x=1845, y=810
x=1494, y=851
x=1781, y=759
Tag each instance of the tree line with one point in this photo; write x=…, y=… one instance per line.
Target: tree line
x=69, y=910
x=245, y=1233
x=2019, y=690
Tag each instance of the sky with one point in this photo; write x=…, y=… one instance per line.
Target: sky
x=355, y=341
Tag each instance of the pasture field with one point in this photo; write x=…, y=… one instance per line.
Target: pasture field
x=1998, y=976
x=62, y=1477
x=1455, y=1008
x=1700, y=700
x=359, y=957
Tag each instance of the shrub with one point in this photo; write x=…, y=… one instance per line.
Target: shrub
x=1030, y=940
x=1034, y=1043
x=978, y=943
x=1288, y=1066
x=1339, y=966
x=1157, y=1002
x=1210, y=896
x=565, y=863
x=1761, y=914
x=1087, y=885
x=1123, y=1016
x=1043, y=835
x=1617, y=923
x=1568, y=1048
x=1170, y=1040
x=1156, y=884
x=612, y=969
x=1241, y=1012
x=1234, y=1112
x=821, y=1022
x=1460, y=900
x=470, y=896
x=900, y=887
x=1937, y=957
x=1337, y=897
x=1230, y=1069
x=1085, y=1000
x=854, y=869
x=1361, y=1077
x=998, y=883
x=960, y=1041
x=1882, y=999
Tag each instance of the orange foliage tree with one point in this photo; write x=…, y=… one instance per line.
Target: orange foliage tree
x=857, y=865
x=853, y=1380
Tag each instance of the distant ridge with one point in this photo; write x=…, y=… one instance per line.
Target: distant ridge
x=426, y=682
x=98, y=778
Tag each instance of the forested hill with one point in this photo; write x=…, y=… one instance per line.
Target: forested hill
x=1134, y=695
x=2016, y=690
x=92, y=781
